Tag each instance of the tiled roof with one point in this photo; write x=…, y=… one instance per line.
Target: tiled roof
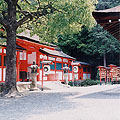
x=114, y=9
x=82, y=63
x=109, y=19
x=56, y=53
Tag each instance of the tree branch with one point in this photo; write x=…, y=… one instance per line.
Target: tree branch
x=24, y=19
x=40, y=12
x=3, y=22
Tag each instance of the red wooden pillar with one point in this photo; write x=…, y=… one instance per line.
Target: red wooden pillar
x=55, y=71
x=62, y=70
x=105, y=76
x=72, y=75
x=42, y=78
x=68, y=71
x=2, y=62
x=100, y=74
x=38, y=63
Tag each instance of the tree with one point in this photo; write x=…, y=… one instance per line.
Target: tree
x=82, y=45
x=91, y=45
x=46, y=18
x=101, y=42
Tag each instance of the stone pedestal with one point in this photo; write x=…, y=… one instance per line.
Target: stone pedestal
x=33, y=86
x=66, y=78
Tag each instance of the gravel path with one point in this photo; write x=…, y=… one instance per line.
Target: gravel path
x=75, y=103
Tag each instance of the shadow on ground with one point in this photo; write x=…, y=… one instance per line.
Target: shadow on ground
x=108, y=94
x=35, y=103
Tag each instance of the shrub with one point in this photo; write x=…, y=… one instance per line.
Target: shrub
x=87, y=82
x=1, y=87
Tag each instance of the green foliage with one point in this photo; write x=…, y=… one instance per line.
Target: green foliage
x=1, y=87
x=100, y=41
x=68, y=17
x=91, y=45
x=87, y=82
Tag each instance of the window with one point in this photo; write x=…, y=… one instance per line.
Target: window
x=88, y=69
x=84, y=69
x=52, y=66
x=0, y=60
x=40, y=65
x=4, y=60
x=64, y=65
x=70, y=68
x=58, y=66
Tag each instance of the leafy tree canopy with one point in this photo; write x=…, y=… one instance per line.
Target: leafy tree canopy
x=91, y=45
x=48, y=18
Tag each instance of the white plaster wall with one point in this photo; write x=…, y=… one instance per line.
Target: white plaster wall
x=59, y=75
x=40, y=74
x=76, y=76
x=31, y=57
x=0, y=50
x=52, y=72
x=44, y=78
x=84, y=76
x=65, y=60
x=22, y=56
x=4, y=72
x=89, y=76
x=70, y=74
x=4, y=50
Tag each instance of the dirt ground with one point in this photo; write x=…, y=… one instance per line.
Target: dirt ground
x=73, y=103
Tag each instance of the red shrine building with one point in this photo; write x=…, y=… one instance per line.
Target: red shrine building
x=46, y=56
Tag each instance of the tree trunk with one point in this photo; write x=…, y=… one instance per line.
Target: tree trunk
x=10, y=79
x=104, y=60
x=119, y=59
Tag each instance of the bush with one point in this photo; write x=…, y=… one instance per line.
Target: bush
x=87, y=82
x=1, y=87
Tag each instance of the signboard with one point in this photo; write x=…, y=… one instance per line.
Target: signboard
x=51, y=58
x=65, y=60
x=58, y=59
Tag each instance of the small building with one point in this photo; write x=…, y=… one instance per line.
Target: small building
x=46, y=56
x=82, y=70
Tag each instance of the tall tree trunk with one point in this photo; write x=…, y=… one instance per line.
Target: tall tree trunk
x=10, y=80
x=104, y=60
x=119, y=59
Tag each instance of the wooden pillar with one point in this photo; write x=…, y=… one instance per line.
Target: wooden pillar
x=38, y=63
x=72, y=75
x=62, y=70
x=42, y=77
x=68, y=71
x=100, y=74
x=55, y=71
x=2, y=62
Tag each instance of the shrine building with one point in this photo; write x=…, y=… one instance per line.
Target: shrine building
x=46, y=56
